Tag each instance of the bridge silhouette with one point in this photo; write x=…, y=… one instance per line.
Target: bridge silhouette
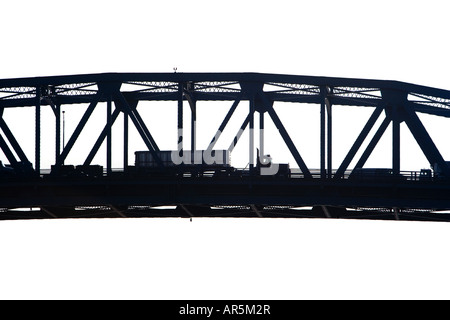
x=203, y=183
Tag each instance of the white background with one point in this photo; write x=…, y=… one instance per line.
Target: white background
x=228, y=258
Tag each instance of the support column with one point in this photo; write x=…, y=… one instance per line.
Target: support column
x=125, y=140
x=395, y=142
x=322, y=134
x=188, y=90
x=261, y=134
x=193, y=129
x=325, y=134
x=38, y=131
x=57, y=131
x=329, y=139
x=251, y=135
x=394, y=101
x=64, y=131
x=108, y=135
x=180, y=120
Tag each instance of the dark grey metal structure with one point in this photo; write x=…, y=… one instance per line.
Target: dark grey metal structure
x=86, y=190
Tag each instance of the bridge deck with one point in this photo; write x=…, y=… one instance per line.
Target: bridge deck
x=121, y=196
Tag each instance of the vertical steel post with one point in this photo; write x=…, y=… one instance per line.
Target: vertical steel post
x=322, y=134
x=38, y=131
x=251, y=134
x=329, y=138
x=57, y=131
x=64, y=130
x=180, y=119
x=325, y=134
x=395, y=141
x=125, y=140
x=394, y=100
x=108, y=135
x=261, y=134
x=193, y=127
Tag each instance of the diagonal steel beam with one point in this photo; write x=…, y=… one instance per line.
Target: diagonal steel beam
x=145, y=129
x=9, y=135
x=288, y=141
x=7, y=151
x=239, y=133
x=78, y=129
x=141, y=127
x=224, y=123
x=130, y=108
x=375, y=139
x=424, y=140
x=362, y=136
x=101, y=138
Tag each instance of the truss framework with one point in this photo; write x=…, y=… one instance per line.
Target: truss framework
x=396, y=101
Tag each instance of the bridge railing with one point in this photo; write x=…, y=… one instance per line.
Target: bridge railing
x=384, y=174
x=374, y=175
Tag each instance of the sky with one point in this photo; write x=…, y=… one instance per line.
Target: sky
x=228, y=258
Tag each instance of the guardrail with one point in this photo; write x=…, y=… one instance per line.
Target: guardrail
x=295, y=173
x=423, y=175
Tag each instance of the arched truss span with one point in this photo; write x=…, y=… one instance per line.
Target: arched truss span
x=331, y=192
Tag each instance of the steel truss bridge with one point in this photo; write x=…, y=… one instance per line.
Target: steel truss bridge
x=27, y=192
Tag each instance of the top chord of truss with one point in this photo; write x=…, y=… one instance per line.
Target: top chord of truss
x=21, y=92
